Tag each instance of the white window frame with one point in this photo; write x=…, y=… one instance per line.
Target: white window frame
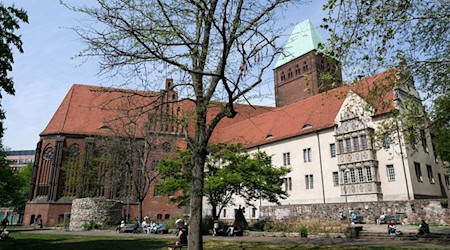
x=390, y=171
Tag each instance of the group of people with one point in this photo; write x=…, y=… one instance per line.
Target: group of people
x=424, y=229
x=151, y=227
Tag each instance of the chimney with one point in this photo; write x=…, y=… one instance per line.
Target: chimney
x=169, y=84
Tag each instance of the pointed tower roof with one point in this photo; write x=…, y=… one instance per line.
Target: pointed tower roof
x=304, y=38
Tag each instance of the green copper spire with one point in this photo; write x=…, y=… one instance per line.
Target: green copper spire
x=304, y=38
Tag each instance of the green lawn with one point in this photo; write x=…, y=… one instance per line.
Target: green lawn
x=53, y=241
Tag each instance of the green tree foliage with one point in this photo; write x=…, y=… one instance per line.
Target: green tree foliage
x=14, y=186
x=369, y=36
x=229, y=172
x=24, y=176
x=10, y=17
x=441, y=127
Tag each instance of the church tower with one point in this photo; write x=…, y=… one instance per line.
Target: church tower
x=302, y=71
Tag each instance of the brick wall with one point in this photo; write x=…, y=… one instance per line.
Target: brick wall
x=49, y=212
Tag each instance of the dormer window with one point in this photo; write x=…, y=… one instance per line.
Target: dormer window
x=269, y=136
x=306, y=126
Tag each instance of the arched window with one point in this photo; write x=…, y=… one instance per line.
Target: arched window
x=167, y=216
x=159, y=216
x=289, y=73
x=297, y=70
x=282, y=77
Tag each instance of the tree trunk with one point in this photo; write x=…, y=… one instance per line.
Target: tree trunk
x=215, y=216
x=140, y=211
x=195, y=232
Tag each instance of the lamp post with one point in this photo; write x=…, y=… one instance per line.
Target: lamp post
x=346, y=171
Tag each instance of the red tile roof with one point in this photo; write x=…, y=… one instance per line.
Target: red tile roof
x=308, y=115
x=88, y=110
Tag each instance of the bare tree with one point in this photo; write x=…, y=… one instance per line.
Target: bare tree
x=220, y=50
x=136, y=135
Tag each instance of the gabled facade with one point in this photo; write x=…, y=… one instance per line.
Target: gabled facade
x=334, y=150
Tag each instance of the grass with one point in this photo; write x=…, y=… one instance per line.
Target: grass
x=33, y=241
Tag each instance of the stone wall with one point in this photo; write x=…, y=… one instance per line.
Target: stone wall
x=435, y=212
x=98, y=210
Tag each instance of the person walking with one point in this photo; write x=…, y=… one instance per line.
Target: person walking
x=5, y=222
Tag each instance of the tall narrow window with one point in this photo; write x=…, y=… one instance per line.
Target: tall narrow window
x=355, y=143
x=447, y=181
x=418, y=172
x=335, y=179
x=307, y=155
x=360, y=175
x=282, y=77
x=289, y=183
x=309, y=181
x=430, y=174
x=369, y=174
x=341, y=146
x=424, y=140
x=287, y=159
x=390, y=172
x=224, y=213
x=386, y=141
x=348, y=145
x=364, y=144
x=345, y=177
x=333, y=150
x=352, y=175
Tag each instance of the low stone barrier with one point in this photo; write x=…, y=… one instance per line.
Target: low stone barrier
x=97, y=211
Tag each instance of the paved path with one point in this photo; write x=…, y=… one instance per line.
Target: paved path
x=334, y=243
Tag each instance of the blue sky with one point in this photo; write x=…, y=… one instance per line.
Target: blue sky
x=47, y=70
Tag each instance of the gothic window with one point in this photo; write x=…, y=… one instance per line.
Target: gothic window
x=282, y=77
x=297, y=70
x=166, y=147
x=74, y=151
x=48, y=154
x=289, y=73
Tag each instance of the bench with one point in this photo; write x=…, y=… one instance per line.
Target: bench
x=131, y=228
x=395, y=218
x=178, y=246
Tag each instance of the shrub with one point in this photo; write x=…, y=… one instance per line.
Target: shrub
x=304, y=232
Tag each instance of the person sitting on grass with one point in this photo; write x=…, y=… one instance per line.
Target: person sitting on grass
x=424, y=229
x=392, y=228
x=182, y=235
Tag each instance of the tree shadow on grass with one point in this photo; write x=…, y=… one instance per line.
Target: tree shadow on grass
x=50, y=242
